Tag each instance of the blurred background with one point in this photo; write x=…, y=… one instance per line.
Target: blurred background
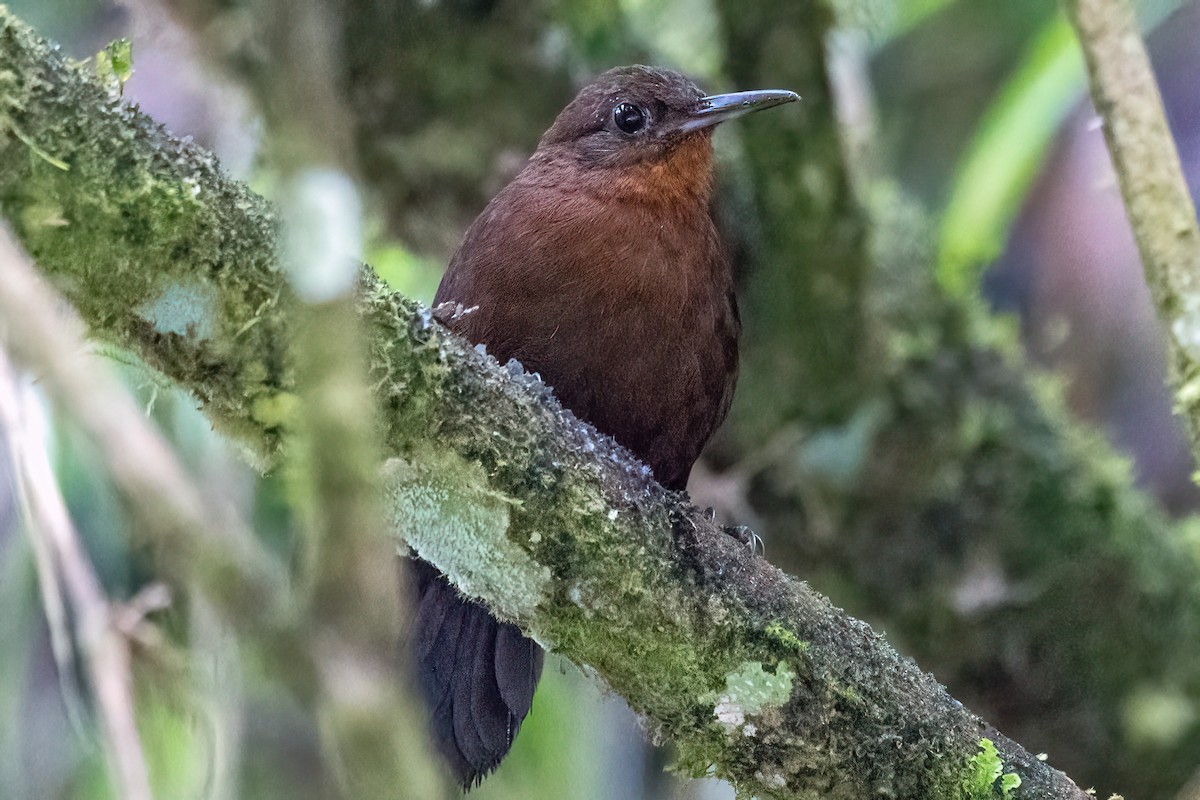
x=972, y=146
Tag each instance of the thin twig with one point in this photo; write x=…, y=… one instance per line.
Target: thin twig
x=51, y=591
x=104, y=649
x=1152, y=184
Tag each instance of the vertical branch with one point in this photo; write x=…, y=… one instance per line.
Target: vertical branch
x=376, y=730
x=1152, y=184
x=807, y=340
x=103, y=646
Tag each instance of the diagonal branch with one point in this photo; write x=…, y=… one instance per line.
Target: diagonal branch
x=753, y=676
x=1152, y=184
x=103, y=645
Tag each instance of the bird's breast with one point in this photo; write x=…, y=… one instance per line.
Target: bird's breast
x=626, y=311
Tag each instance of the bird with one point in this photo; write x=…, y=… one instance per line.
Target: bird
x=598, y=267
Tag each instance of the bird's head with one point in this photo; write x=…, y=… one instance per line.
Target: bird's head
x=639, y=115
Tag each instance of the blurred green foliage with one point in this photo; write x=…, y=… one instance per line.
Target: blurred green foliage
x=1005, y=153
x=406, y=272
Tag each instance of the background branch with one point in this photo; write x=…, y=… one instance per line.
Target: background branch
x=377, y=727
x=102, y=641
x=1151, y=178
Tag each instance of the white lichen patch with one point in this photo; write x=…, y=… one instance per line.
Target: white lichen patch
x=1186, y=326
x=186, y=308
x=441, y=504
x=731, y=715
x=771, y=778
x=750, y=690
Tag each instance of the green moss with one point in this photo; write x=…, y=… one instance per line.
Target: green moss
x=986, y=777
x=788, y=641
x=122, y=217
x=849, y=694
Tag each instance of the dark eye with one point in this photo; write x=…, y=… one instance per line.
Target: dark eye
x=629, y=118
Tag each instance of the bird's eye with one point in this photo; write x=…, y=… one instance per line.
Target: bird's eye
x=629, y=118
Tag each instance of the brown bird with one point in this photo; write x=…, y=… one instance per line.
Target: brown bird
x=598, y=267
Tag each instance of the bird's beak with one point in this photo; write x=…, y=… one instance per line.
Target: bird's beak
x=717, y=108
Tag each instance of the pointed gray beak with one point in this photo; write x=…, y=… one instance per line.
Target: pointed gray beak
x=718, y=108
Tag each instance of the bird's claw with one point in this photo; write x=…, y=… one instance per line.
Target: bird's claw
x=747, y=537
x=451, y=311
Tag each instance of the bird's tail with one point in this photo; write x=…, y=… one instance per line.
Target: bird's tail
x=477, y=675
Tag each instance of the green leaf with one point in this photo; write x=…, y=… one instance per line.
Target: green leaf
x=984, y=770
x=1005, y=154
x=115, y=63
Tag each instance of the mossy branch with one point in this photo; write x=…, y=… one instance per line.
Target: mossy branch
x=754, y=677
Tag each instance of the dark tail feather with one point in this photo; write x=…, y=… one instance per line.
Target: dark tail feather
x=476, y=673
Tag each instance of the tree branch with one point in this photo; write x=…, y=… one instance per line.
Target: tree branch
x=103, y=644
x=1152, y=184
x=751, y=674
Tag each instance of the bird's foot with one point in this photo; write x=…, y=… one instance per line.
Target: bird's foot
x=747, y=537
x=450, y=311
